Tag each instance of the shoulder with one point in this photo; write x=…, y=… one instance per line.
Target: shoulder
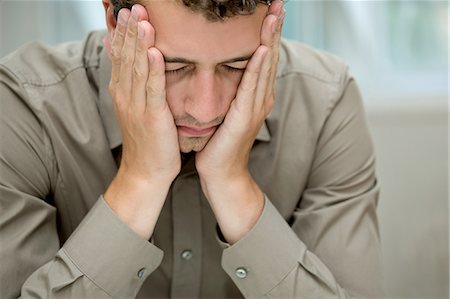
x=297, y=58
x=313, y=78
x=39, y=64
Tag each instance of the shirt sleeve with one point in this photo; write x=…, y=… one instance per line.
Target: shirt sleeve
x=102, y=258
x=330, y=248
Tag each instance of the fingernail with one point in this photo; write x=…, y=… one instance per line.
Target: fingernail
x=141, y=31
x=134, y=13
x=280, y=11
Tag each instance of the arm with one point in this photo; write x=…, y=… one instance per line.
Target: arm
x=87, y=265
x=33, y=263
x=149, y=163
x=336, y=215
x=331, y=248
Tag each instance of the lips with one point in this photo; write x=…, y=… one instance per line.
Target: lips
x=195, y=132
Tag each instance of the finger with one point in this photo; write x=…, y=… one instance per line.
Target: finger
x=141, y=12
x=275, y=7
x=270, y=36
x=118, y=37
x=156, y=83
x=276, y=50
x=263, y=87
x=127, y=56
x=145, y=40
x=268, y=39
x=107, y=45
x=267, y=33
x=245, y=96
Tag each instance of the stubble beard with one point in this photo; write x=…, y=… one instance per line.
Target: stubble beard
x=196, y=144
x=189, y=144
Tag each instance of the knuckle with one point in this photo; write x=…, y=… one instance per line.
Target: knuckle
x=132, y=31
x=255, y=72
x=120, y=30
x=115, y=55
x=153, y=90
x=119, y=105
x=155, y=74
x=125, y=58
x=119, y=102
x=141, y=49
x=249, y=88
x=138, y=72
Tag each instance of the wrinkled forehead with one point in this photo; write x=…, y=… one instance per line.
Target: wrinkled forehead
x=183, y=33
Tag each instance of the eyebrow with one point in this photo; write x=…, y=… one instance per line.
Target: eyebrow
x=168, y=59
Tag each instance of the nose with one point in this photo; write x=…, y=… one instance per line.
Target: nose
x=204, y=101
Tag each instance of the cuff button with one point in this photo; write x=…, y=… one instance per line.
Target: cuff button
x=241, y=273
x=141, y=273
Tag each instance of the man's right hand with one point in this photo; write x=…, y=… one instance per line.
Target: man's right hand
x=150, y=151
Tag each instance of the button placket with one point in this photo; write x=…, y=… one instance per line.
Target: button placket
x=186, y=254
x=187, y=237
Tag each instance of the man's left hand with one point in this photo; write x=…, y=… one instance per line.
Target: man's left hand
x=234, y=196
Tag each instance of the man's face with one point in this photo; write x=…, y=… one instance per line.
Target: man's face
x=204, y=64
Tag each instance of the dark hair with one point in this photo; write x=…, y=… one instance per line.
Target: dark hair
x=213, y=10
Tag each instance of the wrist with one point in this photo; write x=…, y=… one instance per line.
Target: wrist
x=214, y=182
x=137, y=201
x=237, y=204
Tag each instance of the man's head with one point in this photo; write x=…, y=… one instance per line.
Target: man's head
x=205, y=58
x=213, y=10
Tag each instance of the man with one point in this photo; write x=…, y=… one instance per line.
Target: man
x=230, y=165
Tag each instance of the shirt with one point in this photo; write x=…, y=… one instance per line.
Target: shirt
x=313, y=158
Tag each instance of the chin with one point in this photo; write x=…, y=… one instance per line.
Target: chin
x=195, y=144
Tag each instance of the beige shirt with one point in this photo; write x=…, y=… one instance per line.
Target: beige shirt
x=313, y=158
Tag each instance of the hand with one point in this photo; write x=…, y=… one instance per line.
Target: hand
x=235, y=198
x=150, y=146
x=150, y=152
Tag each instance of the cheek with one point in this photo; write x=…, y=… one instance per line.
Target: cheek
x=234, y=83
x=230, y=86
x=174, y=96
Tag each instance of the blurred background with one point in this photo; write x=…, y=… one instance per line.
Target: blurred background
x=398, y=51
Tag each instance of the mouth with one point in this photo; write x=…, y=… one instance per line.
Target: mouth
x=196, y=132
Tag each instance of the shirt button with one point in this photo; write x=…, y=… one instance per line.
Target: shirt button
x=141, y=273
x=241, y=273
x=186, y=254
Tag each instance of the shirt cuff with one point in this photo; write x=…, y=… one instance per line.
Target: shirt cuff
x=110, y=254
x=264, y=256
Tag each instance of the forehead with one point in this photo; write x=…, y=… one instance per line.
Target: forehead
x=183, y=33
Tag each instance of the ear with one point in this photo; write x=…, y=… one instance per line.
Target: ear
x=111, y=21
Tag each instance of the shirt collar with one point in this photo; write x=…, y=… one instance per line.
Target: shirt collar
x=108, y=116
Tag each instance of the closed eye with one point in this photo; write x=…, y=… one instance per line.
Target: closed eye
x=176, y=71
x=233, y=69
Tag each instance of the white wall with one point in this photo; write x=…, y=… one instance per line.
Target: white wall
x=412, y=153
